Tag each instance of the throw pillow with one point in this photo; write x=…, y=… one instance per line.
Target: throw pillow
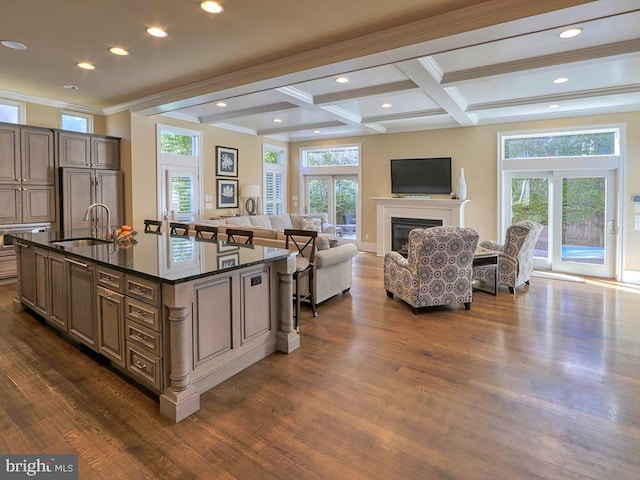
x=309, y=223
x=333, y=243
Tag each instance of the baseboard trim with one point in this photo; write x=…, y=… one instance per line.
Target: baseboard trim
x=368, y=247
x=631, y=276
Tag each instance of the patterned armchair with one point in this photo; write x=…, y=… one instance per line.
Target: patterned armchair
x=438, y=270
x=515, y=262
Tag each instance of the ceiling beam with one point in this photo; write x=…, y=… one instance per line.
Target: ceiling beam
x=273, y=107
x=426, y=73
x=305, y=100
x=584, y=54
x=299, y=128
x=557, y=97
x=371, y=91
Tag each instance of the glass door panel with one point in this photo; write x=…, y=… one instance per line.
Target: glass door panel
x=346, y=195
x=530, y=201
x=586, y=244
x=318, y=194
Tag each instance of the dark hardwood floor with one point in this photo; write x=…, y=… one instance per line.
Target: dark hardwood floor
x=545, y=385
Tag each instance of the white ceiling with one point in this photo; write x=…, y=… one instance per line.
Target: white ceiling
x=439, y=63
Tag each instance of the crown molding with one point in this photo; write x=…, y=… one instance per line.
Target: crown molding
x=50, y=103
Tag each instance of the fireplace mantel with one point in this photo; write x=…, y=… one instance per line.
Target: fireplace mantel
x=450, y=212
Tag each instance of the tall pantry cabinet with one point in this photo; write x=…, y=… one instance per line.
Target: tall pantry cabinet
x=89, y=173
x=27, y=175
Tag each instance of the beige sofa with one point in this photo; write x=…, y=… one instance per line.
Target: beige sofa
x=333, y=270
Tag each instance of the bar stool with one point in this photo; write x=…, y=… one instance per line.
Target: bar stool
x=305, y=242
x=175, y=226
x=234, y=232
x=152, y=226
x=206, y=232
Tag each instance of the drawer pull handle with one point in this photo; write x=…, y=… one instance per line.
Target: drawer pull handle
x=141, y=365
x=23, y=245
x=75, y=262
x=138, y=290
x=141, y=313
x=142, y=338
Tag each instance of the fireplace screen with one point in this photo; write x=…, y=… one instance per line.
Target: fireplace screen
x=400, y=228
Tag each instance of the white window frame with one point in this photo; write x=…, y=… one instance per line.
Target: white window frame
x=615, y=162
x=280, y=168
x=88, y=117
x=165, y=161
x=21, y=108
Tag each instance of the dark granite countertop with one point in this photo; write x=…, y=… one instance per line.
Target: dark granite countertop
x=160, y=257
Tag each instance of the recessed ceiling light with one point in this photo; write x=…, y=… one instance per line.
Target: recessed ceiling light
x=555, y=105
x=70, y=87
x=277, y=120
x=211, y=7
x=86, y=65
x=316, y=131
x=13, y=45
x=118, y=51
x=570, y=32
x=561, y=80
x=386, y=105
x=342, y=80
x=221, y=104
x=156, y=32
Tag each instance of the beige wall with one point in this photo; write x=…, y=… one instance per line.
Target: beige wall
x=143, y=162
x=49, y=117
x=474, y=149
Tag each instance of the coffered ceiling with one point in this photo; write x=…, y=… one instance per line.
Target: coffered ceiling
x=432, y=64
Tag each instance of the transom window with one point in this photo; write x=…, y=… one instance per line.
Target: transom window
x=562, y=144
x=76, y=122
x=335, y=156
x=11, y=112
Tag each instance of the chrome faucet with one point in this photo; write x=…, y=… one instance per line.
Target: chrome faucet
x=109, y=234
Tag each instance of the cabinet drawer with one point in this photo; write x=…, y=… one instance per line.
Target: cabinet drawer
x=144, y=337
x=143, y=313
x=142, y=289
x=144, y=367
x=111, y=279
x=8, y=266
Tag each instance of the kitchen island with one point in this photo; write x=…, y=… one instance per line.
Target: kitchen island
x=178, y=315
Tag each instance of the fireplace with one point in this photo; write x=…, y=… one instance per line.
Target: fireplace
x=400, y=228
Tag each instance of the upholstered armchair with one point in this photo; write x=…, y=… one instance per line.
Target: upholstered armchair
x=515, y=262
x=438, y=269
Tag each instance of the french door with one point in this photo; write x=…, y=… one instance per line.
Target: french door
x=337, y=195
x=577, y=210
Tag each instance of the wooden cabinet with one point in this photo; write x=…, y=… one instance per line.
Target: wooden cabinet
x=57, y=292
x=110, y=316
x=144, y=332
x=27, y=178
x=88, y=151
x=26, y=272
x=80, y=187
x=81, y=301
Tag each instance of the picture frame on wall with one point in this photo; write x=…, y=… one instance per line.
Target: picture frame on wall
x=227, y=193
x=226, y=161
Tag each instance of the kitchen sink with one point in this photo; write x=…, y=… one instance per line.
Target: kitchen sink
x=79, y=242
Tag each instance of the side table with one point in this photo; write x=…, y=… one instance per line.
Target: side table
x=485, y=270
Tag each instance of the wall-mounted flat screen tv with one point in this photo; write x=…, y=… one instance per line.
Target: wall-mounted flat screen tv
x=421, y=176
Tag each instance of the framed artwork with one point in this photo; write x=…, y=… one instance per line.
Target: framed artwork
x=228, y=261
x=223, y=247
x=226, y=161
x=227, y=193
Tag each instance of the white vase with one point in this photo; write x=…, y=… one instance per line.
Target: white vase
x=462, y=186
